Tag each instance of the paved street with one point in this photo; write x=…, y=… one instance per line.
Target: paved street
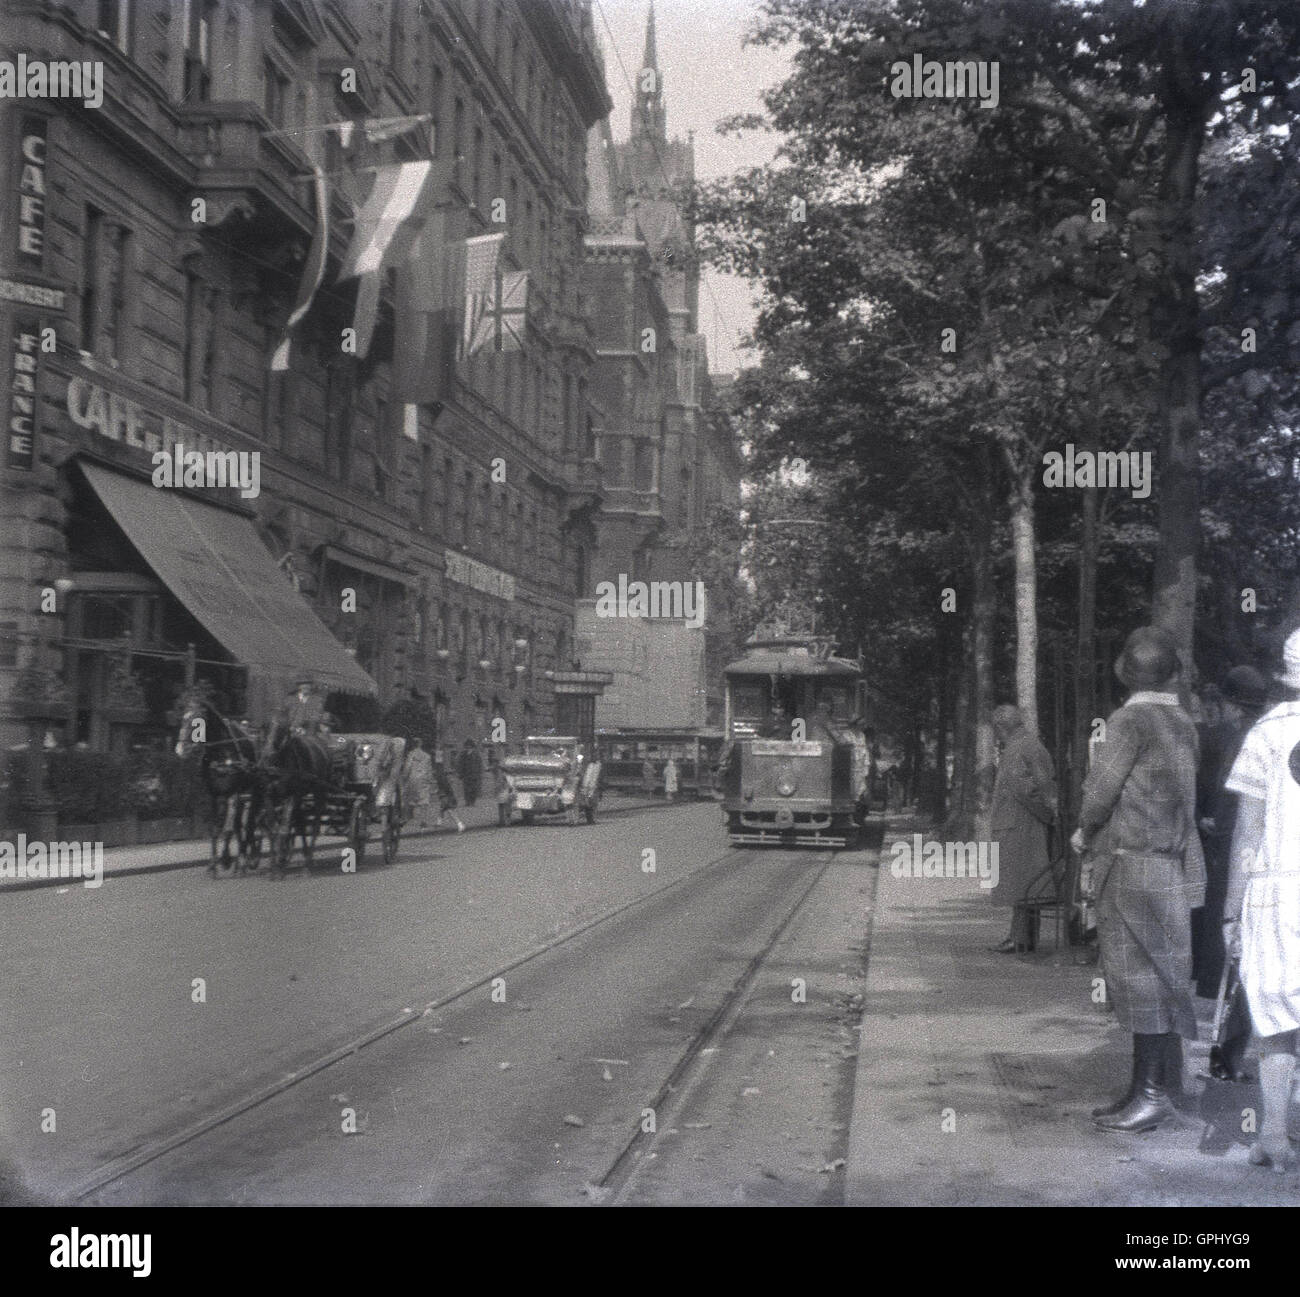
x=111, y=1037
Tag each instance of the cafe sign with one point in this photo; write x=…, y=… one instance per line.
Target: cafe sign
x=24, y=372
x=116, y=417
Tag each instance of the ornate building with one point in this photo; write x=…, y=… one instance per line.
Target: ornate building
x=433, y=555
x=668, y=459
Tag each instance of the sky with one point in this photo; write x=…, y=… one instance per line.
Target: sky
x=707, y=75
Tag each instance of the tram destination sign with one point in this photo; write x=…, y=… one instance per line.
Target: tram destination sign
x=786, y=748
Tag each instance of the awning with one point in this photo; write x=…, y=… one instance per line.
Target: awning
x=373, y=566
x=215, y=564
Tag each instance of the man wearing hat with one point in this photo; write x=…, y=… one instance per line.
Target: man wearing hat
x=1262, y=908
x=302, y=712
x=1244, y=695
x=1138, y=822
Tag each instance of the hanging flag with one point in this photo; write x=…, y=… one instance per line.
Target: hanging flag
x=481, y=256
x=501, y=326
x=384, y=231
x=379, y=129
x=429, y=289
x=313, y=270
x=396, y=194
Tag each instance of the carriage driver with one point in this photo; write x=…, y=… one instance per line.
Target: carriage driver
x=303, y=712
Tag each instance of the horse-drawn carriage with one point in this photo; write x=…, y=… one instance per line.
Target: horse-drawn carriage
x=300, y=786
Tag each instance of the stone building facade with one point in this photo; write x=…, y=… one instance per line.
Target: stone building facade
x=668, y=455
x=439, y=556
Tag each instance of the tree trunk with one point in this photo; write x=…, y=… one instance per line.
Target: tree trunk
x=983, y=619
x=1085, y=681
x=1175, y=317
x=1022, y=540
x=943, y=724
x=961, y=815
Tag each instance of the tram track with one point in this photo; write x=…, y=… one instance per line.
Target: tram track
x=677, y=1086
x=142, y=1155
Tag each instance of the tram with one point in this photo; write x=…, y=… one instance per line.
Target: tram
x=795, y=769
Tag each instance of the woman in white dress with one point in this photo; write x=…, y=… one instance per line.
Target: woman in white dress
x=1262, y=908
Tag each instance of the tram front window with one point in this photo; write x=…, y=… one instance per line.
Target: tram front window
x=837, y=701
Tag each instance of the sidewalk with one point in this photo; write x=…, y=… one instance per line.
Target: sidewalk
x=1011, y=1054
x=194, y=853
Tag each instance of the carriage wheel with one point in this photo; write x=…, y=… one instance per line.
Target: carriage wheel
x=358, y=828
x=392, y=833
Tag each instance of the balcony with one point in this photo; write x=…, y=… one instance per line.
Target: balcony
x=241, y=167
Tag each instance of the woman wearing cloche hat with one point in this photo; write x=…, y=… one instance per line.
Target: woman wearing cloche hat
x=1138, y=820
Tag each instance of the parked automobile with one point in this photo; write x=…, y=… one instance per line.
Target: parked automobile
x=551, y=776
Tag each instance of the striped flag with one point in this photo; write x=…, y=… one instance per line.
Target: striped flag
x=384, y=232
x=313, y=270
x=429, y=289
x=395, y=196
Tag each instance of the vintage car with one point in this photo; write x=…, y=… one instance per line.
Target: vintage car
x=551, y=776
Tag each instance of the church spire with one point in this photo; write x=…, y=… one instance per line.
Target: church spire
x=651, y=58
x=649, y=116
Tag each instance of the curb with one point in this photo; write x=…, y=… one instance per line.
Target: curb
x=167, y=866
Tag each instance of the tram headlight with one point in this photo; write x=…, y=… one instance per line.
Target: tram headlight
x=785, y=784
x=365, y=752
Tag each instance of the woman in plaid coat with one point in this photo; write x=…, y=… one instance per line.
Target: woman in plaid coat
x=1138, y=822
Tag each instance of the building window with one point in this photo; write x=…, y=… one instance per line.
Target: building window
x=90, y=264
x=200, y=344
x=476, y=179
x=117, y=257
x=426, y=488
x=114, y=23
x=275, y=91
x=200, y=15
x=435, y=113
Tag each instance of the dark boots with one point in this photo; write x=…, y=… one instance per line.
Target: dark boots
x=1148, y=1104
x=1122, y=1102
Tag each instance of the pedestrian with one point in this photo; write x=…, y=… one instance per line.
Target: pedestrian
x=470, y=768
x=648, y=777
x=670, y=780
x=417, y=783
x=1137, y=821
x=1024, y=806
x=1243, y=698
x=446, y=797
x=1262, y=906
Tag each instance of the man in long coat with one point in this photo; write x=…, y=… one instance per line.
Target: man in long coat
x=1138, y=822
x=1024, y=805
x=470, y=769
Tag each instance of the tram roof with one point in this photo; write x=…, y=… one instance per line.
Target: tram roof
x=766, y=662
